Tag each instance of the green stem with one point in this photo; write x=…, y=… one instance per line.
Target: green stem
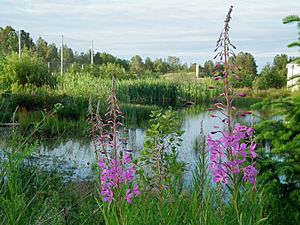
x=235, y=199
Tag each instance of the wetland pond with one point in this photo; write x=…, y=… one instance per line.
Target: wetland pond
x=76, y=158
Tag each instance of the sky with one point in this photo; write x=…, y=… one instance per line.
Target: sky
x=158, y=28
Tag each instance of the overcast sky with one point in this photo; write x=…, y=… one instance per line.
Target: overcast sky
x=157, y=28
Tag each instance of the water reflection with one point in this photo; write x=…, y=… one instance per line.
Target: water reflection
x=77, y=156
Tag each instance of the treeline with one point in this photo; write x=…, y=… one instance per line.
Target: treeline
x=50, y=54
x=272, y=75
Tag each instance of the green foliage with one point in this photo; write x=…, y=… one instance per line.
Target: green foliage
x=32, y=196
x=158, y=160
x=28, y=71
x=293, y=19
x=208, y=67
x=111, y=69
x=149, y=66
x=270, y=78
x=280, y=165
x=160, y=66
x=136, y=65
x=271, y=94
x=14, y=203
x=74, y=89
x=246, y=69
x=279, y=65
x=174, y=64
x=8, y=40
x=49, y=53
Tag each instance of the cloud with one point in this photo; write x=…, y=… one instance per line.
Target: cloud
x=158, y=28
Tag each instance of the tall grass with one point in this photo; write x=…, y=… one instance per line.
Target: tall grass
x=31, y=196
x=142, y=91
x=74, y=90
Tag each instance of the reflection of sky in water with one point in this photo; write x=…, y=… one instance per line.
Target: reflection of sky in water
x=71, y=156
x=77, y=157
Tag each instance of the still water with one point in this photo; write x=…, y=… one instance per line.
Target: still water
x=76, y=157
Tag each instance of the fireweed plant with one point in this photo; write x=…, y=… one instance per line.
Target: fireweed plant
x=232, y=150
x=117, y=171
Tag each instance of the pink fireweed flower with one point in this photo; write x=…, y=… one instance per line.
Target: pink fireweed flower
x=129, y=196
x=107, y=194
x=220, y=176
x=126, y=159
x=252, y=150
x=117, y=171
x=213, y=165
x=237, y=77
x=242, y=95
x=101, y=164
x=136, y=190
x=113, y=175
x=232, y=154
x=233, y=166
x=250, y=174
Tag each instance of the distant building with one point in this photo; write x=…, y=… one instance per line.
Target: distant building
x=293, y=76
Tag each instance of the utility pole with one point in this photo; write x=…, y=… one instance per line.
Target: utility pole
x=197, y=70
x=92, y=53
x=19, y=44
x=62, y=55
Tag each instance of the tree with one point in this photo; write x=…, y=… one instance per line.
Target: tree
x=42, y=48
x=208, y=67
x=185, y=67
x=247, y=72
x=26, y=41
x=293, y=19
x=174, y=63
x=136, y=65
x=270, y=78
x=68, y=56
x=275, y=75
x=279, y=64
x=107, y=58
x=112, y=69
x=159, y=165
x=97, y=58
x=124, y=63
x=192, y=67
x=52, y=57
x=149, y=65
x=160, y=66
x=24, y=72
x=280, y=166
x=8, y=40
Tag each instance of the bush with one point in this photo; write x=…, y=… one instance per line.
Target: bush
x=111, y=69
x=28, y=71
x=270, y=78
x=280, y=164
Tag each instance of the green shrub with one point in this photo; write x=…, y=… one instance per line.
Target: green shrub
x=269, y=78
x=26, y=72
x=112, y=69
